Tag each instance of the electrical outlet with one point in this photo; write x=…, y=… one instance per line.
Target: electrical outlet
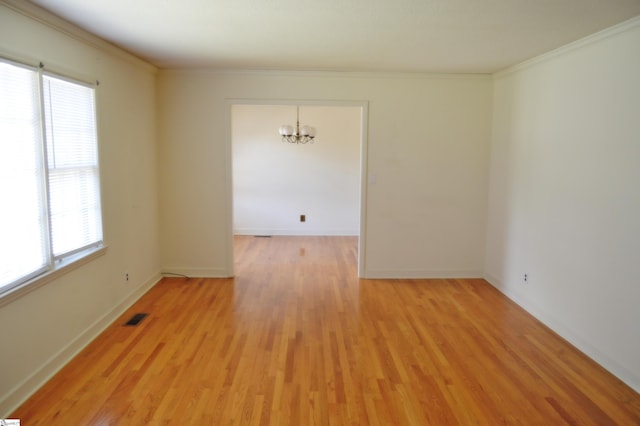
x=526, y=278
x=126, y=277
x=303, y=218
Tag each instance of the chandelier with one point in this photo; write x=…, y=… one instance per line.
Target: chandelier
x=302, y=134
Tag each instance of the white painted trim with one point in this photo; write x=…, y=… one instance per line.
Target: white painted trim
x=293, y=102
x=197, y=272
x=421, y=274
x=43, y=16
x=364, y=141
x=364, y=182
x=21, y=392
x=228, y=193
x=567, y=48
x=563, y=331
x=50, y=275
x=297, y=232
x=328, y=74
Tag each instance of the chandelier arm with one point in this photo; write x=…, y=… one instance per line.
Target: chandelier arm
x=296, y=136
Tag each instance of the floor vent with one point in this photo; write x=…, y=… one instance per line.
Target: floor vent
x=262, y=236
x=136, y=319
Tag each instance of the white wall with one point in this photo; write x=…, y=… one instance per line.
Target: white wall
x=565, y=194
x=41, y=330
x=275, y=182
x=427, y=145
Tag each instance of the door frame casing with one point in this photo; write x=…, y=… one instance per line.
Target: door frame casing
x=364, y=125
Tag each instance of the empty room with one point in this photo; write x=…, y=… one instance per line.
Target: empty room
x=364, y=212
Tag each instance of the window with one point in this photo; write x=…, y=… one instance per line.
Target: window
x=50, y=208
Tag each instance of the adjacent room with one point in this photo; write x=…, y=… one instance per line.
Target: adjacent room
x=272, y=178
x=458, y=244
x=288, y=185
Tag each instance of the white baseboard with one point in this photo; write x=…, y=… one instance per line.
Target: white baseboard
x=196, y=272
x=24, y=390
x=297, y=232
x=565, y=332
x=420, y=274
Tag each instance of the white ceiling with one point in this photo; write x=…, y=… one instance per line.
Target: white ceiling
x=460, y=36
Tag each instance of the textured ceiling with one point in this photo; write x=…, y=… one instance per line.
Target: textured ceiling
x=460, y=36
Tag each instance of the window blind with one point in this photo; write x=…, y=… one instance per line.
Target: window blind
x=72, y=161
x=49, y=174
x=23, y=217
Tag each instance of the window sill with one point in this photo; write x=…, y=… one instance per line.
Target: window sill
x=47, y=277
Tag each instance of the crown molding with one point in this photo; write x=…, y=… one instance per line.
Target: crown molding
x=326, y=74
x=578, y=44
x=60, y=25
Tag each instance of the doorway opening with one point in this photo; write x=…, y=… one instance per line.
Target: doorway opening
x=277, y=188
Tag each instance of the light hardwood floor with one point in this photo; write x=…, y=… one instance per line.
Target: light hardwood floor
x=297, y=339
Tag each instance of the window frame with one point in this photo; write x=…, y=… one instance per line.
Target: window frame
x=56, y=266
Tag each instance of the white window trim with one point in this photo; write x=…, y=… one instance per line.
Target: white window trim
x=61, y=267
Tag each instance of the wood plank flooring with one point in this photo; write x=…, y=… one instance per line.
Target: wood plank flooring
x=297, y=339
